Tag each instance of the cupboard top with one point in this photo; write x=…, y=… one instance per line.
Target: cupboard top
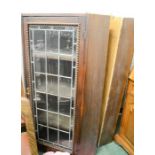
x=57, y=14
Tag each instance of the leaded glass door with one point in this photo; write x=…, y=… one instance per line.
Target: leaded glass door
x=53, y=59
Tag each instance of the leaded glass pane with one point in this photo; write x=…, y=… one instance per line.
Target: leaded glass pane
x=53, y=55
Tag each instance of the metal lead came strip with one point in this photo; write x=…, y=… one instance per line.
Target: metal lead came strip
x=70, y=120
x=46, y=85
x=36, y=121
x=58, y=84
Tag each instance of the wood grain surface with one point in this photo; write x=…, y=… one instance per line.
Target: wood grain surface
x=120, y=75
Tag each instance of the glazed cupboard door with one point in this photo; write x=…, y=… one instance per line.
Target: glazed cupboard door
x=64, y=67
x=51, y=51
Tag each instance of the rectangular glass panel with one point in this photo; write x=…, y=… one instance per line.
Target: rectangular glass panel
x=52, y=41
x=40, y=64
x=65, y=87
x=66, y=41
x=41, y=100
x=52, y=120
x=52, y=103
x=52, y=66
x=64, y=138
x=42, y=132
x=65, y=68
x=53, y=135
x=64, y=122
x=53, y=54
x=40, y=82
x=52, y=86
x=64, y=106
x=39, y=40
x=42, y=118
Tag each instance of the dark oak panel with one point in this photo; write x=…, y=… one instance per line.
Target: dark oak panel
x=96, y=46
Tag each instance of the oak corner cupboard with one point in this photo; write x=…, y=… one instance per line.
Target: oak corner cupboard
x=64, y=59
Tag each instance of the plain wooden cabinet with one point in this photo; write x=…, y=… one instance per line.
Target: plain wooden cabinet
x=125, y=137
x=64, y=68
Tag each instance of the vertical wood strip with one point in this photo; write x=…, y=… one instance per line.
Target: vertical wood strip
x=114, y=36
x=27, y=115
x=96, y=46
x=119, y=79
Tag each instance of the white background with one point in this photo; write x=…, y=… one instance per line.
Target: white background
x=10, y=62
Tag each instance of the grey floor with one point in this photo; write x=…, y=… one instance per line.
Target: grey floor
x=108, y=149
x=111, y=149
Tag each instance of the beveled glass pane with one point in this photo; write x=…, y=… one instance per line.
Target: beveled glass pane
x=64, y=122
x=52, y=103
x=41, y=100
x=39, y=40
x=40, y=82
x=65, y=87
x=52, y=120
x=66, y=42
x=42, y=132
x=53, y=135
x=52, y=41
x=64, y=106
x=52, y=66
x=52, y=85
x=64, y=138
x=42, y=118
x=65, y=68
x=40, y=64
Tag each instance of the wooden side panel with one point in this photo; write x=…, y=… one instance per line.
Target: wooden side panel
x=96, y=46
x=114, y=36
x=27, y=115
x=119, y=79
